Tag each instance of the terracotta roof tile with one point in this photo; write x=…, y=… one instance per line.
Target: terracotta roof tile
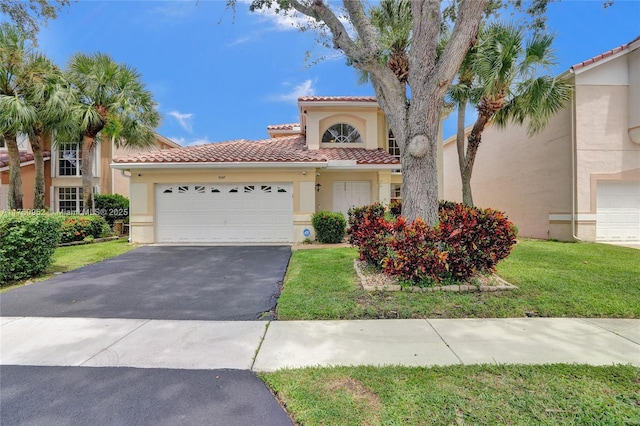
x=604, y=55
x=284, y=149
x=24, y=158
x=290, y=126
x=337, y=99
x=361, y=155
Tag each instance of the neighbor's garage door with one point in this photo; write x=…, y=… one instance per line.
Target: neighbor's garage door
x=618, y=211
x=203, y=213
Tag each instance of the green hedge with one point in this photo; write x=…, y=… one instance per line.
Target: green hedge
x=79, y=227
x=112, y=207
x=27, y=242
x=329, y=226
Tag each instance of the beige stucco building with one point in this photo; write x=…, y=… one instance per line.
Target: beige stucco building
x=579, y=179
x=340, y=154
x=63, y=178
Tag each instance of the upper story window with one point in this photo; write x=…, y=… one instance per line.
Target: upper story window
x=392, y=145
x=69, y=159
x=341, y=133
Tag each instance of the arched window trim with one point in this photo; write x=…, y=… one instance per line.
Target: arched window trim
x=341, y=133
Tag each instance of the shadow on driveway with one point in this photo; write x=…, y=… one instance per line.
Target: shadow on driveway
x=162, y=282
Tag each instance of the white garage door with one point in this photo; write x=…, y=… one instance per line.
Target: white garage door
x=618, y=211
x=204, y=213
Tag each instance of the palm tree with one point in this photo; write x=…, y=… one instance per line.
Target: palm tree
x=14, y=114
x=500, y=80
x=45, y=89
x=113, y=102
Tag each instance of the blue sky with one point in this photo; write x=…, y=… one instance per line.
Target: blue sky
x=221, y=76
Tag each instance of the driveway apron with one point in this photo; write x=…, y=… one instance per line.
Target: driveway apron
x=218, y=283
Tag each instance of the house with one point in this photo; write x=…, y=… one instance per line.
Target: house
x=63, y=179
x=340, y=154
x=579, y=179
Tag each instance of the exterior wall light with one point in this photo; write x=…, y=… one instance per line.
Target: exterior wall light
x=318, y=187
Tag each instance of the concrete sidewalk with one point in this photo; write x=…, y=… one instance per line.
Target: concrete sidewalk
x=268, y=346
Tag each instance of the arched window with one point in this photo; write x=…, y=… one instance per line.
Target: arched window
x=341, y=133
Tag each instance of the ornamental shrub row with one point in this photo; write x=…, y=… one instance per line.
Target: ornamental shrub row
x=79, y=227
x=465, y=242
x=27, y=242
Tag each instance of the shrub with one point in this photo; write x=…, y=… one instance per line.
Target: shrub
x=477, y=239
x=78, y=227
x=27, y=242
x=415, y=254
x=370, y=232
x=465, y=242
x=395, y=207
x=112, y=207
x=329, y=226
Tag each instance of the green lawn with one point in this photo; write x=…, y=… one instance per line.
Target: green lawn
x=72, y=257
x=554, y=279
x=460, y=395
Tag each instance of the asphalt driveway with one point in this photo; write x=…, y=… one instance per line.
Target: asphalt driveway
x=162, y=282
x=130, y=396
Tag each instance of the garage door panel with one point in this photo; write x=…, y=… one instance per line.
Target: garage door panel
x=618, y=211
x=252, y=212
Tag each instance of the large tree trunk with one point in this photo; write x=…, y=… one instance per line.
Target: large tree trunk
x=88, y=146
x=419, y=195
x=38, y=187
x=15, y=178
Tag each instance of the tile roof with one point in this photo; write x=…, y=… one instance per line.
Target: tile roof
x=24, y=158
x=337, y=99
x=286, y=149
x=604, y=55
x=290, y=126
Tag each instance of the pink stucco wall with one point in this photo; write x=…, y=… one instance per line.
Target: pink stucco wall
x=527, y=177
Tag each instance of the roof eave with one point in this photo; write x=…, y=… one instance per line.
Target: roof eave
x=220, y=165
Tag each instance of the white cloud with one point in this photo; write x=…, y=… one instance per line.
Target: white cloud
x=175, y=9
x=304, y=89
x=185, y=120
x=283, y=21
x=238, y=41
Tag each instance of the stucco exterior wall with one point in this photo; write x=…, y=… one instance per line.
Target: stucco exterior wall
x=142, y=217
x=603, y=143
x=527, y=177
x=606, y=109
x=28, y=174
x=365, y=120
x=306, y=200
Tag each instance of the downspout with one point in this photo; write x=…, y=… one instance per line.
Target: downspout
x=113, y=180
x=574, y=172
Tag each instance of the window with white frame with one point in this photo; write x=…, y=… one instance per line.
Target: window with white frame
x=70, y=200
x=69, y=160
x=341, y=133
x=392, y=145
x=396, y=191
x=393, y=149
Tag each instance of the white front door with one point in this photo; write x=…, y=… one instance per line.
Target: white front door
x=618, y=209
x=243, y=212
x=350, y=194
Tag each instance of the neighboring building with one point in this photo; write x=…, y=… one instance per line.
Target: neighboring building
x=63, y=178
x=580, y=177
x=341, y=154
